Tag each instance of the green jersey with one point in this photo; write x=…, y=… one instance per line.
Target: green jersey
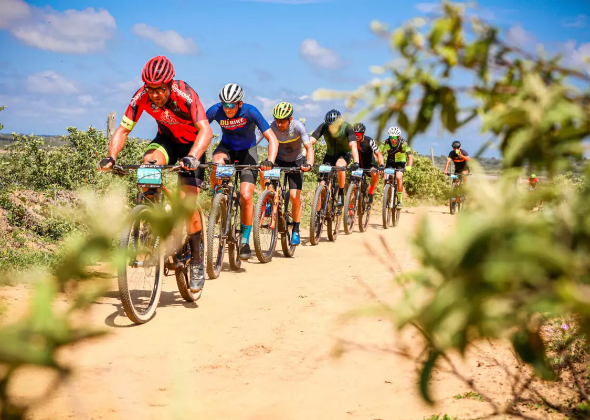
x=339, y=144
x=397, y=153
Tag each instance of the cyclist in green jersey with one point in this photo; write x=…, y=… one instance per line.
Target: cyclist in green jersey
x=399, y=156
x=340, y=142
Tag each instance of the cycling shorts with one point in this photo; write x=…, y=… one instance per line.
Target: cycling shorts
x=173, y=152
x=296, y=178
x=396, y=165
x=461, y=168
x=241, y=157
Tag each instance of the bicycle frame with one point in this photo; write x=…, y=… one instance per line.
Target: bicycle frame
x=331, y=183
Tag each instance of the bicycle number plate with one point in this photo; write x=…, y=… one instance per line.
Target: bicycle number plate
x=149, y=176
x=273, y=173
x=358, y=173
x=453, y=176
x=389, y=171
x=325, y=169
x=224, y=171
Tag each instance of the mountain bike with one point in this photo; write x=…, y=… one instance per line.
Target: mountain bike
x=324, y=206
x=148, y=256
x=390, y=211
x=268, y=224
x=225, y=221
x=457, y=197
x=357, y=200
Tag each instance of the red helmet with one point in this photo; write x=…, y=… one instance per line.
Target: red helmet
x=158, y=70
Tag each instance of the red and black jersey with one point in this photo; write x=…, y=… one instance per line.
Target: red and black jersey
x=177, y=119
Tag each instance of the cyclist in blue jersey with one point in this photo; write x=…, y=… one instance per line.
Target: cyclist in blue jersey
x=238, y=122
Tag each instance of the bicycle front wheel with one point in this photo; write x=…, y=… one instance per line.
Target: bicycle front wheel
x=140, y=278
x=350, y=208
x=334, y=218
x=317, y=218
x=364, y=212
x=182, y=272
x=288, y=249
x=263, y=229
x=453, y=199
x=387, y=191
x=216, y=235
x=395, y=212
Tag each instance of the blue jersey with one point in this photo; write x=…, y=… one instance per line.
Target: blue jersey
x=239, y=131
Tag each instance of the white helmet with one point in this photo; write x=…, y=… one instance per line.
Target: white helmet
x=231, y=93
x=394, y=132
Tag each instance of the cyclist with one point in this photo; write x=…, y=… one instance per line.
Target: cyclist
x=460, y=158
x=293, y=140
x=340, y=142
x=399, y=156
x=183, y=134
x=368, y=151
x=238, y=122
x=533, y=181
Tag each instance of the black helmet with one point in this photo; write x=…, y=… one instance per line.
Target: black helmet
x=359, y=128
x=456, y=144
x=332, y=116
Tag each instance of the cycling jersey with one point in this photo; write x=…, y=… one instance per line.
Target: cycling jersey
x=533, y=182
x=291, y=140
x=338, y=144
x=176, y=120
x=460, y=162
x=239, y=131
x=397, y=153
x=367, y=149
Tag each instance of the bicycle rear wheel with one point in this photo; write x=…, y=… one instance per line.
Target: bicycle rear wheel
x=395, y=212
x=350, y=207
x=141, y=277
x=333, y=223
x=317, y=218
x=364, y=212
x=288, y=249
x=265, y=235
x=236, y=238
x=387, y=191
x=453, y=199
x=216, y=235
x=182, y=271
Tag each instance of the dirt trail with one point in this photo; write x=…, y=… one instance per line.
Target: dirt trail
x=258, y=346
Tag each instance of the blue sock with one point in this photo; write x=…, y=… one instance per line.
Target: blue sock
x=246, y=230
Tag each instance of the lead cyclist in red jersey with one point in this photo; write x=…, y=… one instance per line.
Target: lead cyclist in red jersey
x=183, y=135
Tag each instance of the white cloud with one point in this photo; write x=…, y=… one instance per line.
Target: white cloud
x=429, y=7
x=12, y=11
x=518, y=36
x=312, y=52
x=50, y=83
x=71, y=31
x=171, y=41
x=578, y=57
x=579, y=21
x=86, y=100
x=129, y=86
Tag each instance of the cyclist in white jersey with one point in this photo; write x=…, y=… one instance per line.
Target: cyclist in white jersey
x=292, y=138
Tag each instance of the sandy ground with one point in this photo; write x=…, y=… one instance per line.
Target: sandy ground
x=258, y=345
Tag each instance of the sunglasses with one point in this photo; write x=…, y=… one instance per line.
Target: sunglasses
x=229, y=105
x=394, y=137
x=159, y=90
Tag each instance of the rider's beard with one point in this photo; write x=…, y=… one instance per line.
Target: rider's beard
x=335, y=128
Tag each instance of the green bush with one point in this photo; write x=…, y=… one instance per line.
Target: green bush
x=425, y=182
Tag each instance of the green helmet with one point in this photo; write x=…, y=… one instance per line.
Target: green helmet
x=282, y=111
x=533, y=176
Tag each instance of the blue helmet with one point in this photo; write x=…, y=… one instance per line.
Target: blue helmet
x=332, y=116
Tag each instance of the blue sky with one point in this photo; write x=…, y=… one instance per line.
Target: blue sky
x=69, y=63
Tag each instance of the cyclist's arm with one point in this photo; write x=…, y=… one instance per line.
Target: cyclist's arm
x=447, y=165
x=465, y=156
x=379, y=157
x=310, y=157
x=273, y=145
x=118, y=141
x=204, y=136
x=319, y=132
x=352, y=143
x=410, y=159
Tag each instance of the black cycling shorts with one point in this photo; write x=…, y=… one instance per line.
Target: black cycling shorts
x=396, y=165
x=369, y=165
x=460, y=168
x=241, y=157
x=173, y=152
x=296, y=178
x=331, y=160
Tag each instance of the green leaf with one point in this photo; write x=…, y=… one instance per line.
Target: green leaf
x=440, y=28
x=449, y=109
x=425, y=375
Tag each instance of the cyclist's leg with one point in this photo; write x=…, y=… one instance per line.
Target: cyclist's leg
x=465, y=171
x=322, y=178
x=158, y=150
x=295, y=186
x=343, y=160
x=220, y=154
x=247, y=186
x=399, y=176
